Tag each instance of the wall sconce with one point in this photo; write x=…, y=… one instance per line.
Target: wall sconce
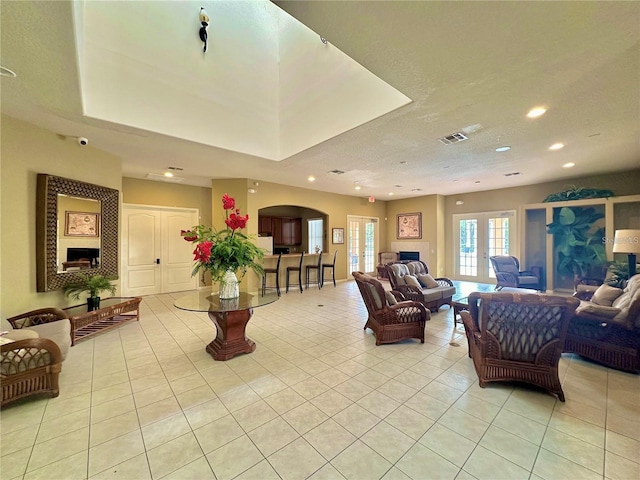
x=204, y=21
x=628, y=241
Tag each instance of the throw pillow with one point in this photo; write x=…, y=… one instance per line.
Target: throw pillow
x=391, y=300
x=413, y=281
x=427, y=281
x=605, y=295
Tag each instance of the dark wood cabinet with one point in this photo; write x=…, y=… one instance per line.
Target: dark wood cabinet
x=285, y=230
x=265, y=228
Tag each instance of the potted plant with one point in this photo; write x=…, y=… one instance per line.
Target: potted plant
x=94, y=284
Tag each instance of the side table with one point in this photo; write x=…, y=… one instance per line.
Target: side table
x=458, y=306
x=112, y=313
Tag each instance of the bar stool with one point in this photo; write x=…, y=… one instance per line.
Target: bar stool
x=277, y=273
x=318, y=269
x=296, y=269
x=332, y=266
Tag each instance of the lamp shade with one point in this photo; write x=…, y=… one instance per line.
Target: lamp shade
x=626, y=241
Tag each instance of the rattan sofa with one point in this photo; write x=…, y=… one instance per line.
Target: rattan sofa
x=406, y=277
x=608, y=335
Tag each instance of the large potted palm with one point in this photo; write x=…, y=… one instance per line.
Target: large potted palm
x=93, y=284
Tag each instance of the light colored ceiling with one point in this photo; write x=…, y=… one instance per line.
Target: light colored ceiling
x=475, y=66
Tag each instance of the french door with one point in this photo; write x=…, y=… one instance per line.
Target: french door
x=479, y=236
x=362, y=244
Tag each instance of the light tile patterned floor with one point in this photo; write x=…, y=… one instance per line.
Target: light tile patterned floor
x=317, y=399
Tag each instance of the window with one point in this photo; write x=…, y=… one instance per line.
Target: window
x=316, y=235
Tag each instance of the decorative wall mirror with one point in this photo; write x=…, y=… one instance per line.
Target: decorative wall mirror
x=76, y=231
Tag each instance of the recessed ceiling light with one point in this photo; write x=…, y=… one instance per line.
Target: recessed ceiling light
x=358, y=187
x=556, y=146
x=503, y=149
x=312, y=179
x=569, y=165
x=537, y=112
x=168, y=174
x=390, y=193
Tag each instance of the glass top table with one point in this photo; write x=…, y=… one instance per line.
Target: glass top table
x=206, y=301
x=230, y=317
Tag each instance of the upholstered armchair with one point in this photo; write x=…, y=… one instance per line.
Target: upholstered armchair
x=606, y=326
x=518, y=337
x=508, y=274
x=390, y=320
x=412, y=279
x=33, y=346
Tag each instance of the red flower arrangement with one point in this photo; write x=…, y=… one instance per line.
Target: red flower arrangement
x=228, y=249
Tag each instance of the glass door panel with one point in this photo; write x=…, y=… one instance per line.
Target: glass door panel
x=362, y=244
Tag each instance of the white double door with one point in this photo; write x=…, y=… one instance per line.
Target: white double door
x=155, y=258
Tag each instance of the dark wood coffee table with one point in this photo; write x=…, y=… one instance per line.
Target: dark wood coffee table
x=458, y=306
x=112, y=313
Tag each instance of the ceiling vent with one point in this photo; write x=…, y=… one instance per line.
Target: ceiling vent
x=453, y=138
x=175, y=169
x=162, y=178
x=511, y=174
x=336, y=172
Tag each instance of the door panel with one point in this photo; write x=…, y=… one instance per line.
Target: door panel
x=479, y=236
x=156, y=259
x=362, y=244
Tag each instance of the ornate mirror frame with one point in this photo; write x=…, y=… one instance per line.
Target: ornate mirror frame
x=48, y=189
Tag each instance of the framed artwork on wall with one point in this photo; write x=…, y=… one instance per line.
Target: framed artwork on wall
x=409, y=226
x=82, y=224
x=338, y=235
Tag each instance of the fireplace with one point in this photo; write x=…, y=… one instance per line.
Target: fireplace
x=409, y=256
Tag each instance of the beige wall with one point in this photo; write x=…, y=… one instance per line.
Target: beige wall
x=624, y=183
x=149, y=192
x=27, y=150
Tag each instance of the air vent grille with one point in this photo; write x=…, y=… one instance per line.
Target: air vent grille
x=175, y=169
x=453, y=138
x=336, y=172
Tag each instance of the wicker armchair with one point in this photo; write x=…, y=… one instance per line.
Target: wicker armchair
x=431, y=296
x=518, y=337
x=508, y=274
x=390, y=323
x=32, y=352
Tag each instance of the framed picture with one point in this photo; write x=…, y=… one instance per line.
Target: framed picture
x=409, y=226
x=82, y=224
x=338, y=235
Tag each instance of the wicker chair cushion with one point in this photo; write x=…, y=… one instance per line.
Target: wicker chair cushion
x=416, y=268
x=376, y=296
x=528, y=280
x=400, y=270
x=605, y=295
x=391, y=300
x=427, y=280
x=59, y=332
x=412, y=281
x=21, y=334
x=599, y=310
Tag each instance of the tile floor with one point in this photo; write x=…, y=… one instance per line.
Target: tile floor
x=317, y=399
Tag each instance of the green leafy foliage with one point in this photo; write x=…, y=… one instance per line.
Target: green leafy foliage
x=94, y=284
x=577, y=193
x=618, y=274
x=578, y=241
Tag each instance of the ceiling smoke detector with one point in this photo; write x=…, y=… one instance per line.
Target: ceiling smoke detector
x=453, y=138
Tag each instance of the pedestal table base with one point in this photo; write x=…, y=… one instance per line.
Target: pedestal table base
x=230, y=339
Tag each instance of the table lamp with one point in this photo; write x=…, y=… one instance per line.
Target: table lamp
x=628, y=241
